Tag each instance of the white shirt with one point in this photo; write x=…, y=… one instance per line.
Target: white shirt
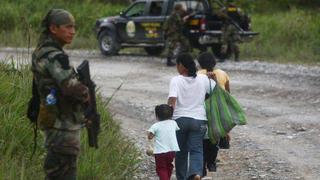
x=190, y=93
x=165, y=135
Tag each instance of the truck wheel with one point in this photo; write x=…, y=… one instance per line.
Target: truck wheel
x=108, y=43
x=154, y=51
x=216, y=49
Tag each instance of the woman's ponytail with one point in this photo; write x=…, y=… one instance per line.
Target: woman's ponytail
x=187, y=61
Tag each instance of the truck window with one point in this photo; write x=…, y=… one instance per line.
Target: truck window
x=155, y=8
x=136, y=9
x=192, y=6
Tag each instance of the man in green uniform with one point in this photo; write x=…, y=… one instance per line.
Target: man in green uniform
x=230, y=33
x=62, y=96
x=173, y=28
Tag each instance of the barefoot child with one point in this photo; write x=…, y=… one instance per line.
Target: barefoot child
x=166, y=143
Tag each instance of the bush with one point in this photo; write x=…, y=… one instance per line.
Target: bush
x=116, y=157
x=8, y=17
x=291, y=36
x=271, y=6
x=19, y=15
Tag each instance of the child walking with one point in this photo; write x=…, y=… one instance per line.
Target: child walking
x=207, y=63
x=166, y=143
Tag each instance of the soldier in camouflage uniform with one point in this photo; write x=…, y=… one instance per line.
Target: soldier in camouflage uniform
x=173, y=28
x=62, y=120
x=230, y=33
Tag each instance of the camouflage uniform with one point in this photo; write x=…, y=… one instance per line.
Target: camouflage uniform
x=61, y=122
x=230, y=39
x=230, y=33
x=176, y=40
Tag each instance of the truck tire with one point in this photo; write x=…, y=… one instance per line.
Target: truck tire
x=108, y=43
x=216, y=50
x=154, y=51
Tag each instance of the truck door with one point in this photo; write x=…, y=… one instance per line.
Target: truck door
x=129, y=26
x=153, y=22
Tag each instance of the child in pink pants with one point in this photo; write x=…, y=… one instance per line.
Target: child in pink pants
x=166, y=143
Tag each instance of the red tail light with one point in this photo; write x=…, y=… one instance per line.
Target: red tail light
x=203, y=25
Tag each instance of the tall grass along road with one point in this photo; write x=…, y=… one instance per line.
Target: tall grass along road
x=116, y=158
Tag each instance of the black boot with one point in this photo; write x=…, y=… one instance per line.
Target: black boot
x=170, y=63
x=212, y=167
x=236, y=57
x=204, y=172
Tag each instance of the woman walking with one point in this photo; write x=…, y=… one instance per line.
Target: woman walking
x=187, y=94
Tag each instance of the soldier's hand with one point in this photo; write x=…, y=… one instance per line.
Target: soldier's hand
x=185, y=18
x=76, y=91
x=88, y=123
x=86, y=96
x=224, y=49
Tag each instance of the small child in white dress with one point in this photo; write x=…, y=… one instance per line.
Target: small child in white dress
x=166, y=143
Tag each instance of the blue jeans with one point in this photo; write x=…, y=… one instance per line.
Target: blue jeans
x=190, y=137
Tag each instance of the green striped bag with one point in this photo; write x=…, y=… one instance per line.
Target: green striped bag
x=223, y=113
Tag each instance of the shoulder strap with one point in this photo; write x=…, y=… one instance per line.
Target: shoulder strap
x=46, y=48
x=45, y=51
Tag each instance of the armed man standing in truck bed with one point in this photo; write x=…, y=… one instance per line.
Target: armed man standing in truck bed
x=62, y=96
x=175, y=37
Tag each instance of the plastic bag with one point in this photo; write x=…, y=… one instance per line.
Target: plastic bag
x=223, y=113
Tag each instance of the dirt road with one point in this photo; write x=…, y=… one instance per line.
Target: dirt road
x=282, y=102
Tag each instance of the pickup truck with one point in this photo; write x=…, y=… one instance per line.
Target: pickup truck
x=140, y=25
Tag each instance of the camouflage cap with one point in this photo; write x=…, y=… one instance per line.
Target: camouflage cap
x=57, y=17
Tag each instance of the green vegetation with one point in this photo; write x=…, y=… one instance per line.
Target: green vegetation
x=116, y=157
x=289, y=36
x=271, y=6
x=289, y=29
x=21, y=18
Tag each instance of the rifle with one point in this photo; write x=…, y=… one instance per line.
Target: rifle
x=93, y=127
x=228, y=17
x=33, y=112
x=33, y=104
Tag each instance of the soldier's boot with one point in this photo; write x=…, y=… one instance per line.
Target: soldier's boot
x=236, y=57
x=170, y=63
x=236, y=54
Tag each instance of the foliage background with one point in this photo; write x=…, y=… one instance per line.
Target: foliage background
x=289, y=29
x=20, y=18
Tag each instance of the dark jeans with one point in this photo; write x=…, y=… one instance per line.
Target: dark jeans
x=58, y=166
x=210, y=152
x=190, y=137
x=164, y=165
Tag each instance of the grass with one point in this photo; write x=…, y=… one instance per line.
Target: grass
x=20, y=18
x=116, y=157
x=292, y=36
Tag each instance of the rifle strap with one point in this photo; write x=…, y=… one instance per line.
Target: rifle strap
x=35, y=127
